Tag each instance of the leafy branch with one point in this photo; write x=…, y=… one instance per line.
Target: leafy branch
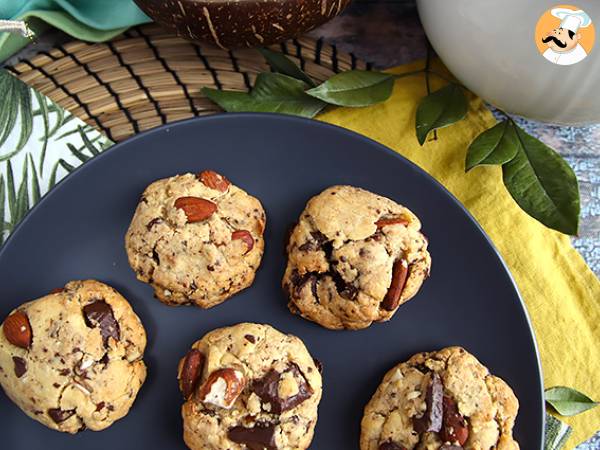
x=535, y=175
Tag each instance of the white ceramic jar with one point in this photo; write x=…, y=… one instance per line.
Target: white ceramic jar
x=489, y=45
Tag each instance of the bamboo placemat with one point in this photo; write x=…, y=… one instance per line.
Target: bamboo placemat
x=148, y=77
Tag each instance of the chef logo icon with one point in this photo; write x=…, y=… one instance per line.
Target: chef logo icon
x=565, y=35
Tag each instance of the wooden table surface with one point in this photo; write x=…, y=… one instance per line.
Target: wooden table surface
x=389, y=33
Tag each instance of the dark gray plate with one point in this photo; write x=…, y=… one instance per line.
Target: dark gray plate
x=76, y=232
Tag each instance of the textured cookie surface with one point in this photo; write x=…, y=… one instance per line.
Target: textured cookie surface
x=445, y=400
x=197, y=239
x=249, y=387
x=353, y=258
x=73, y=359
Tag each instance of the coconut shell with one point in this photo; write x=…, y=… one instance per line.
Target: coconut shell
x=241, y=23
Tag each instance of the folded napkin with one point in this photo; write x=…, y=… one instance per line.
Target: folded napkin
x=88, y=20
x=562, y=294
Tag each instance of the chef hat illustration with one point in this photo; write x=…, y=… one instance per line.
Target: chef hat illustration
x=572, y=20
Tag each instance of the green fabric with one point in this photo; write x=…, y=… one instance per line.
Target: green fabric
x=88, y=20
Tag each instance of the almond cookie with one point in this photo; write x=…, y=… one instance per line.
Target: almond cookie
x=445, y=400
x=196, y=239
x=353, y=258
x=249, y=387
x=73, y=359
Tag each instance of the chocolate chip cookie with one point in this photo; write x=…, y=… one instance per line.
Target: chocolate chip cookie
x=353, y=258
x=73, y=359
x=249, y=387
x=196, y=239
x=445, y=400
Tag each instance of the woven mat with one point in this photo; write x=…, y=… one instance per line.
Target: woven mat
x=148, y=76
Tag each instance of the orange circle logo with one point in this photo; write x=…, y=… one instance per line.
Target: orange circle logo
x=565, y=35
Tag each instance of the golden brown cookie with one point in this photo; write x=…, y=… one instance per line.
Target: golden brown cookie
x=249, y=387
x=73, y=359
x=196, y=239
x=445, y=400
x=353, y=258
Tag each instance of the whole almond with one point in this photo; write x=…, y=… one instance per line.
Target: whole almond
x=391, y=221
x=222, y=388
x=244, y=236
x=454, y=427
x=399, y=275
x=17, y=329
x=191, y=370
x=196, y=209
x=214, y=180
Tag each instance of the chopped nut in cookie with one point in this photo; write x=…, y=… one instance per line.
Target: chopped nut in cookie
x=70, y=351
x=259, y=389
x=459, y=409
x=196, y=239
x=222, y=388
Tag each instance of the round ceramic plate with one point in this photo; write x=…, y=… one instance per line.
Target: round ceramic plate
x=77, y=232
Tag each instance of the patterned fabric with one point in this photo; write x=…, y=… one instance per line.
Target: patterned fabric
x=40, y=144
x=557, y=433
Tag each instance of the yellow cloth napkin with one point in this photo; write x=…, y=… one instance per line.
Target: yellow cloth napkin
x=562, y=294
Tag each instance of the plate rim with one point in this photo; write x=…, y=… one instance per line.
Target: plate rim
x=166, y=128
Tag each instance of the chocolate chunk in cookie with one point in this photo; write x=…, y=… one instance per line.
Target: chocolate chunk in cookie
x=73, y=359
x=454, y=402
x=353, y=258
x=258, y=389
x=100, y=314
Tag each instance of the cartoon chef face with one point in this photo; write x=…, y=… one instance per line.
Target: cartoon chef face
x=561, y=39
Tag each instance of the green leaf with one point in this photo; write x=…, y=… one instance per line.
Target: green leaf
x=70, y=132
x=35, y=181
x=12, y=195
x=60, y=117
x=105, y=143
x=52, y=181
x=273, y=92
x=2, y=209
x=568, y=401
x=9, y=117
x=89, y=144
x=67, y=118
x=543, y=184
x=355, y=88
x=24, y=94
x=17, y=103
x=497, y=145
x=77, y=153
x=22, y=196
x=440, y=109
x=44, y=109
x=282, y=64
x=6, y=110
x=68, y=167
